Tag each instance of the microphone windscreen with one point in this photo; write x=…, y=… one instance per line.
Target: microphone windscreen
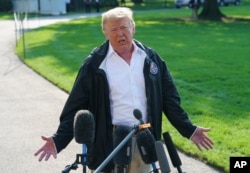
x=162, y=158
x=84, y=127
x=137, y=113
x=123, y=156
x=146, y=146
x=176, y=161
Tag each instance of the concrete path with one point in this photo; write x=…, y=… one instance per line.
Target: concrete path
x=30, y=107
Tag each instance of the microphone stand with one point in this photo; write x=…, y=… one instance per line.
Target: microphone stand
x=155, y=170
x=114, y=152
x=80, y=159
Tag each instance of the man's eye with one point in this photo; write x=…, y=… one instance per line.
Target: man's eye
x=124, y=28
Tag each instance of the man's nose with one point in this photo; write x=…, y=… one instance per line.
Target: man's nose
x=120, y=32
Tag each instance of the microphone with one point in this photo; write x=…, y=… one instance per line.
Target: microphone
x=145, y=142
x=138, y=115
x=161, y=155
x=123, y=157
x=84, y=127
x=176, y=161
x=146, y=145
x=116, y=150
x=84, y=132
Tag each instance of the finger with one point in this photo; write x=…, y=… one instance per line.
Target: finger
x=198, y=146
x=47, y=157
x=54, y=155
x=209, y=140
x=42, y=156
x=39, y=151
x=206, y=129
x=44, y=138
x=204, y=145
x=208, y=144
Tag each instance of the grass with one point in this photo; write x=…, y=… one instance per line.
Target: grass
x=6, y=16
x=208, y=60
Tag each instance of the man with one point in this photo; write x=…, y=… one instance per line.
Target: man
x=119, y=76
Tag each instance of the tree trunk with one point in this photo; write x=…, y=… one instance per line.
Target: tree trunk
x=211, y=11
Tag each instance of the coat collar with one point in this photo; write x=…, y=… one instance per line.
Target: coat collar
x=98, y=54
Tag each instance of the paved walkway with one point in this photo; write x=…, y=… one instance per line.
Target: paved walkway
x=30, y=107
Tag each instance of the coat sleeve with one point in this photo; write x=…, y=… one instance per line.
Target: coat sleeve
x=77, y=100
x=172, y=105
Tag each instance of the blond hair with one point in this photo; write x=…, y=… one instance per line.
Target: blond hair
x=117, y=13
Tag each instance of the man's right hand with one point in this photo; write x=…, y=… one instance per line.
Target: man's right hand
x=47, y=149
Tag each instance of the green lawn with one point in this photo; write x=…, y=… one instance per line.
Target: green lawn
x=208, y=60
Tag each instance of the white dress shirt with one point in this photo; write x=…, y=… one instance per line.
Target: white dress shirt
x=126, y=86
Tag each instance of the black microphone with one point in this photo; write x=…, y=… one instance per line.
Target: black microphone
x=84, y=127
x=123, y=157
x=146, y=143
x=84, y=132
x=176, y=161
x=162, y=158
x=138, y=115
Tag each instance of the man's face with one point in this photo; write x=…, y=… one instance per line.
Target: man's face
x=120, y=33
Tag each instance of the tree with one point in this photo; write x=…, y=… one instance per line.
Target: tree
x=211, y=11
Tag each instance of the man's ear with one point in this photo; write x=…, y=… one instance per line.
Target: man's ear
x=134, y=31
x=104, y=33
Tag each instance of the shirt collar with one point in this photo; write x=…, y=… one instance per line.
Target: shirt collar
x=111, y=50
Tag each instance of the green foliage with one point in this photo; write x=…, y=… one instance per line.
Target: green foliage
x=6, y=16
x=209, y=62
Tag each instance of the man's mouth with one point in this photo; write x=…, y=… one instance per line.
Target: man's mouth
x=122, y=41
